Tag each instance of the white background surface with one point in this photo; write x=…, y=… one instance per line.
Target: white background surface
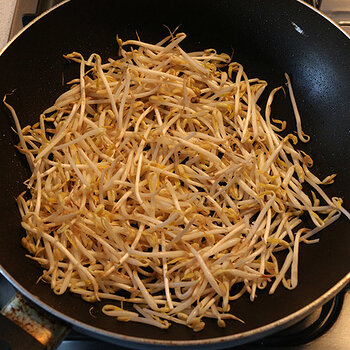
x=7, y=8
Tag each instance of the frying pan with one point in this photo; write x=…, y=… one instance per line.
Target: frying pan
x=269, y=37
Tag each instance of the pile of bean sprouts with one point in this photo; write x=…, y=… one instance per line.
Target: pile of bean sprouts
x=159, y=184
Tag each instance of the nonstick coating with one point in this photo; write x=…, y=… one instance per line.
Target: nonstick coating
x=268, y=38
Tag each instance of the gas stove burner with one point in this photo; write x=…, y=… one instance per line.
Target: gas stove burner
x=310, y=328
x=316, y=3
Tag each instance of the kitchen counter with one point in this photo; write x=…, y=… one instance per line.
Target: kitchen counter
x=7, y=8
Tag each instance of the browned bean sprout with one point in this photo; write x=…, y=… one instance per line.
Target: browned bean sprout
x=157, y=174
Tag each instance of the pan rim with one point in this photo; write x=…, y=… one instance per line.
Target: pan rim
x=239, y=338
x=30, y=24
x=337, y=25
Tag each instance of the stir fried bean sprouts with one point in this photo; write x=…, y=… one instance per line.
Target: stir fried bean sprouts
x=159, y=183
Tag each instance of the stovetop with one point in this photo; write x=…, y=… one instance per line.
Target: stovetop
x=326, y=328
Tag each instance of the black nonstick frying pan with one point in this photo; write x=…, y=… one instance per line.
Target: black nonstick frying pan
x=269, y=37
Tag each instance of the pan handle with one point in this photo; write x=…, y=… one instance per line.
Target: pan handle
x=24, y=326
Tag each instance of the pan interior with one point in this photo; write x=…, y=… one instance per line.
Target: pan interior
x=268, y=38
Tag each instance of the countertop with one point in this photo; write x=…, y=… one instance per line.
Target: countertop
x=7, y=8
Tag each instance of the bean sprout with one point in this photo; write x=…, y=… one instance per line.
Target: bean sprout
x=157, y=174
